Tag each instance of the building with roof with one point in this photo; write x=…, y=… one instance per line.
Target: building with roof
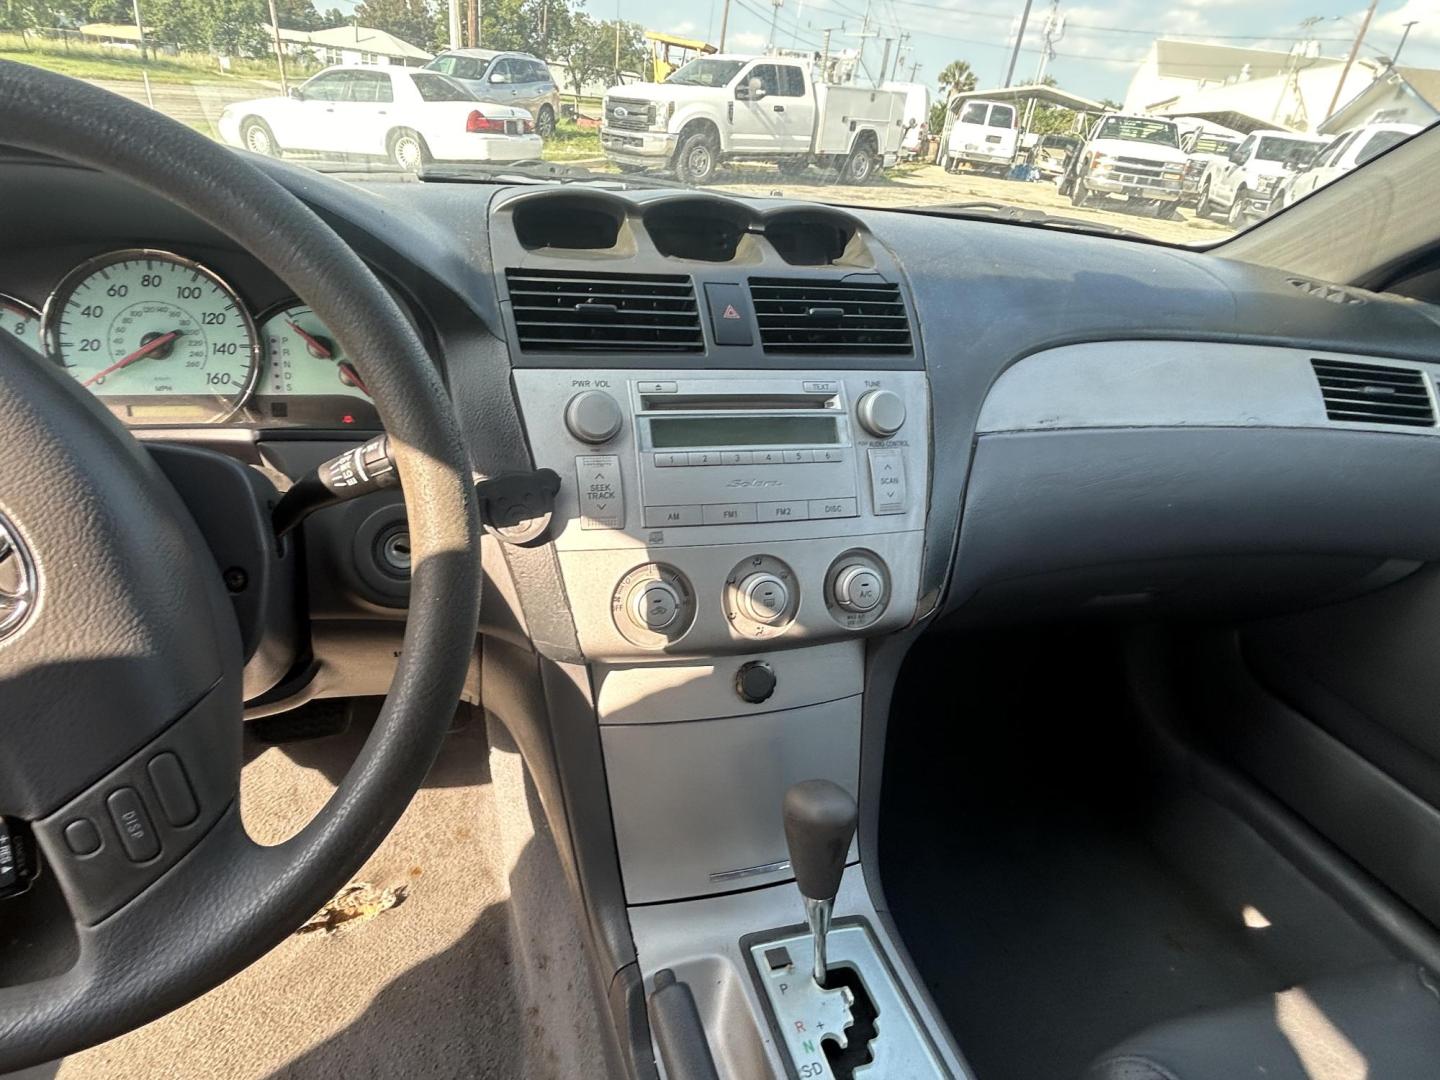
x=352, y=44
x=1245, y=89
x=1401, y=95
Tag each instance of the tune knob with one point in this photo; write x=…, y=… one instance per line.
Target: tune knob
x=764, y=597
x=881, y=413
x=594, y=417
x=858, y=589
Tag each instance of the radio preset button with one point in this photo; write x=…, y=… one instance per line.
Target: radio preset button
x=783, y=511
x=593, y=416
x=799, y=457
x=664, y=517
x=881, y=413
x=737, y=457
x=833, y=508
x=769, y=457
x=668, y=459
x=704, y=457
x=602, y=498
x=829, y=455
x=887, y=481
x=730, y=513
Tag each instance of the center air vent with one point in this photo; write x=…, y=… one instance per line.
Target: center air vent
x=1372, y=394
x=563, y=311
x=802, y=315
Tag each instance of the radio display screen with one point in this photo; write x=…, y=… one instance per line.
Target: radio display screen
x=685, y=432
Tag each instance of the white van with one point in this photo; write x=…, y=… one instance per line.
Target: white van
x=983, y=137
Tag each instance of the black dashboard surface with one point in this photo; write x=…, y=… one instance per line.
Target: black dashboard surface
x=983, y=296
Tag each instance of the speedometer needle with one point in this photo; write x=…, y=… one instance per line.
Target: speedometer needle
x=139, y=354
x=317, y=347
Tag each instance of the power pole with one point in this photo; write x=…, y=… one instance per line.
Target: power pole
x=454, y=24
x=279, y=52
x=724, y=23
x=899, y=48
x=1019, y=38
x=774, y=15
x=914, y=70
x=139, y=26
x=884, y=61
x=1349, y=60
x=1053, y=32
x=1403, y=38
x=544, y=23
x=473, y=17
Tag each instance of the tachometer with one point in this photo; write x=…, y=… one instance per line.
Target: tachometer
x=160, y=338
x=302, y=357
x=20, y=321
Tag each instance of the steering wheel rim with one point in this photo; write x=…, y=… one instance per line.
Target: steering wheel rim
x=223, y=901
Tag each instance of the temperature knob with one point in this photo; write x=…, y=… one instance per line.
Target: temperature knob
x=593, y=417
x=881, y=413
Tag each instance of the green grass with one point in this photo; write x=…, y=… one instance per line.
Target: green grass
x=94, y=61
x=572, y=143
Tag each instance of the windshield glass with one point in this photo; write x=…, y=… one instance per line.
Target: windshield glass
x=956, y=107
x=1136, y=129
x=1210, y=144
x=1287, y=151
x=707, y=73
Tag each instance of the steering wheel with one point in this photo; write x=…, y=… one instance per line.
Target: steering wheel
x=120, y=679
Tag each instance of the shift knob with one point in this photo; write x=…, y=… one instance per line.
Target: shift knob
x=820, y=819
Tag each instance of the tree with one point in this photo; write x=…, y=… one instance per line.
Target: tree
x=957, y=78
x=299, y=15
x=410, y=20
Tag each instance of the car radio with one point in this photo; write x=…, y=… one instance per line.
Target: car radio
x=721, y=453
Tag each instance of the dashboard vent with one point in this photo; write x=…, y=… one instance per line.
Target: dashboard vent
x=564, y=311
x=1332, y=293
x=1372, y=394
x=804, y=315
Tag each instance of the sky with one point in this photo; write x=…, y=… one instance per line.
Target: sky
x=1103, y=42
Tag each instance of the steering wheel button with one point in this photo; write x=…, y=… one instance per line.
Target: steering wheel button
x=172, y=788
x=82, y=837
x=137, y=833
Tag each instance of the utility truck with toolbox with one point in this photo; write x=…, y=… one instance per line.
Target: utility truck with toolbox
x=725, y=108
x=1137, y=157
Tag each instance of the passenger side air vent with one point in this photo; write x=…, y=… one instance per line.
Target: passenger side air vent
x=565, y=311
x=806, y=315
x=1372, y=394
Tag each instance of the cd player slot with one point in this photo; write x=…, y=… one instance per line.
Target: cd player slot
x=735, y=402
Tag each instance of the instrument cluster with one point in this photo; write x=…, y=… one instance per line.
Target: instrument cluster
x=163, y=340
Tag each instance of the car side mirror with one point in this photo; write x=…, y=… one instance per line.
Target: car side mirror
x=742, y=92
x=1237, y=157
x=297, y=93
x=497, y=78
x=757, y=90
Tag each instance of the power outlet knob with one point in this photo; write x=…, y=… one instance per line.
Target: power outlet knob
x=594, y=417
x=881, y=413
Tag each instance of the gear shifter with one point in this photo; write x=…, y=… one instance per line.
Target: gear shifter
x=820, y=819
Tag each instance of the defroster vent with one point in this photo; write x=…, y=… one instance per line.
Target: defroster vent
x=579, y=311
x=839, y=317
x=1374, y=393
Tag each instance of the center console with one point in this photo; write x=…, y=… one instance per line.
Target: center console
x=744, y=457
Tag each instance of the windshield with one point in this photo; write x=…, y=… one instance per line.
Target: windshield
x=957, y=107
x=707, y=73
x=1209, y=144
x=1286, y=151
x=1136, y=129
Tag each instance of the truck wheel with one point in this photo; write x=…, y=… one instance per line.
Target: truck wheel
x=698, y=158
x=545, y=122
x=860, y=165
x=1236, y=217
x=1204, y=207
x=1169, y=211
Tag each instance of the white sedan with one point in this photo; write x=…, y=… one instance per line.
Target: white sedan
x=411, y=117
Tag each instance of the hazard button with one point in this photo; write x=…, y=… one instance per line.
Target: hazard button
x=730, y=319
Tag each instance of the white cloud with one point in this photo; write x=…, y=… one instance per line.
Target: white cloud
x=747, y=40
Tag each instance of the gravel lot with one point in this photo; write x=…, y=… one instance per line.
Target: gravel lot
x=919, y=185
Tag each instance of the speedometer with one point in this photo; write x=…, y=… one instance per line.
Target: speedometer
x=160, y=338
x=20, y=320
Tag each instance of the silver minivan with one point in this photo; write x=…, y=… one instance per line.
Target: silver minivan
x=506, y=78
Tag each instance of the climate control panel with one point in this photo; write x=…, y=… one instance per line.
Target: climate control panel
x=711, y=511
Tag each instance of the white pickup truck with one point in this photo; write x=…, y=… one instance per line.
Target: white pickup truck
x=1137, y=157
x=759, y=108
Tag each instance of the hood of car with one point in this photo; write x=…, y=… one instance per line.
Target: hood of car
x=662, y=92
x=1147, y=150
